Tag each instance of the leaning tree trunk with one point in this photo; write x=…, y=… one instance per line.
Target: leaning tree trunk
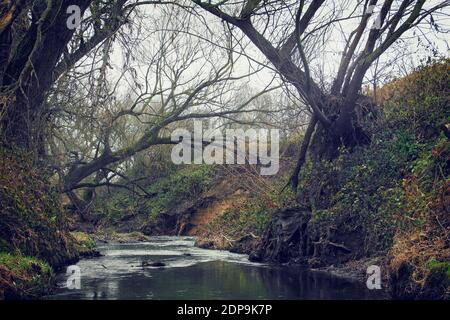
x=302, y=155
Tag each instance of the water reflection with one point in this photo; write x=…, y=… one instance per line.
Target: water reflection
x=202, y=274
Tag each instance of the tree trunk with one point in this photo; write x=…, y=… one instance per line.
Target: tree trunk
x=79, y=205
x=302, y=155
x=345, y=130
x=28, y=76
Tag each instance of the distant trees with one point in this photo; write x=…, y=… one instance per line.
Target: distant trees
x=287, y=31
x=107, y=110
x=60, y=99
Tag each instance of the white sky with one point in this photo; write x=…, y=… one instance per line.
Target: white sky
x=324, y=59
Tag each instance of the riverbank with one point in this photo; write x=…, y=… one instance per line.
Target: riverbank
x=34, y=229
x=383, y=204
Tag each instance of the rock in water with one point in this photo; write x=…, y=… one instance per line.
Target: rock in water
x=157, y=264
x=255, y=257
x=153, y=264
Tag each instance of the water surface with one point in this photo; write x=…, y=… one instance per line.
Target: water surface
x=194, y=273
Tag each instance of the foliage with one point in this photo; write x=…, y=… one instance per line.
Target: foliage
x=393, y=185
x=31, y=219
x=250, y=212
x=183, y=185
x=423, y=242
x=162, y=194
x=434, y=264
x=249, y=217
x=419, y=103
x=84, y=240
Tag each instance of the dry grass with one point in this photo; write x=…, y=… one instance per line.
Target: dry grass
x=215, y=209
x=418, y=246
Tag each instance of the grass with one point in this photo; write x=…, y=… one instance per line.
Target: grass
x=24, y=277
x=442, y=265
x=84, y=240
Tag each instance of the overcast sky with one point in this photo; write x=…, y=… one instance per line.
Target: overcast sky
x=416, y=45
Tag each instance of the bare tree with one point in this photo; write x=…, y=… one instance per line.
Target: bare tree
x=286, y=32
x=172, y=77
x=37, y=47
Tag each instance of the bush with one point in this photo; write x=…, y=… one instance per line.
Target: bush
x=184, y=184
x=84, y=240
x=393, y=186
x=31, y=218
x=249, y=217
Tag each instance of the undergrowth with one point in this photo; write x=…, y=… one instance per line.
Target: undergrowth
x=161, y=194
x=33, y=229
x=396, y=192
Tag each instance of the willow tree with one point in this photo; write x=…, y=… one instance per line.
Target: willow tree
x=285, y=32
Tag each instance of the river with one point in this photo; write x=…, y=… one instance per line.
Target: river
x=194, y=273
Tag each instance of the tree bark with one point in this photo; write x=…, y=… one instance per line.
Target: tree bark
x=29, y=73
x=302, y=155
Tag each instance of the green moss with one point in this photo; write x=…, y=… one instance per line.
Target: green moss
x=84, y=240
x=24, y=277
x=433, y=265
x=32, y=220
x=20, y=264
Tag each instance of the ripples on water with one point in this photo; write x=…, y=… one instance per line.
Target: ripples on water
x=194, y=273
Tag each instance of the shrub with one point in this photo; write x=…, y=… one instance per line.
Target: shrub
x=31, y=218
x=420, y=101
